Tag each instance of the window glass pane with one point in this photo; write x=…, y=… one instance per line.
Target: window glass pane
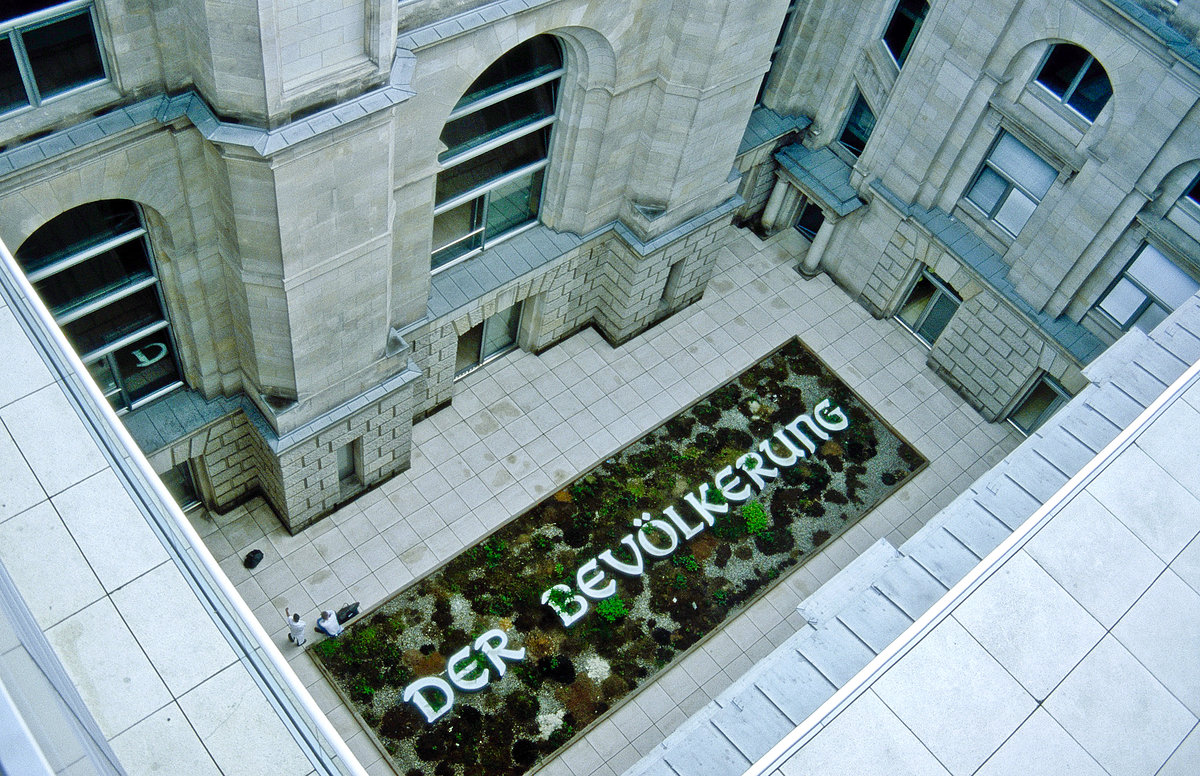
x=1015, y=211
x=1153, y=316
x=988, y=189
x=110, y=323
x=858, y=127
x=180, y=485
x=940, y=313
x=810, y=221
x=75, y=231
x=12, y=89
x=100, y=275
x=457, y=231
x=1091, y=93
x=1161, y=277
x=101, y=371
x=147, y=365
x=1040, y=405
x=513, y=204
x=524, y=62
x=1194, y=192
x=1061, y=67
x=476, y=172
x=912, y=309
x=903, y=28
x=1023, y=166
x=491, y=122
x=468, y=349
x=1122, y=302
x=64, y=54
x=500, y=331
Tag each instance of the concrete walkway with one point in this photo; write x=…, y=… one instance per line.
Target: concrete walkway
x=525, y=425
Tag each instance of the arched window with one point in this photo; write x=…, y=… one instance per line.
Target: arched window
x=92, y=267
x=1075, y=79
x=497, y=141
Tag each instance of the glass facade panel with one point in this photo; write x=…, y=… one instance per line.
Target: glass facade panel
x=457, y=231
x=106, y=301
x=988, y=190
x=491, y=122
x=936, y=318
x=64, y=54
x=1147, y=291
x=510, y=112
x=859, y=126
x=513, y=204
x=1123, y=302
x=1074, y=77
x=12, y=89
x=902, y=30
x=1015, y=211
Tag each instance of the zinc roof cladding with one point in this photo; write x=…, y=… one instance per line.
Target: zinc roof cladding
x=823, y=174
x=961, y=241
x=766, y=125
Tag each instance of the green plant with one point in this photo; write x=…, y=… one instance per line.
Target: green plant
x=560, y=598
x=612, y=609
x=721, y=597
x=494, y=552
x=680, y=581
x=687, y=562
x=756, y=517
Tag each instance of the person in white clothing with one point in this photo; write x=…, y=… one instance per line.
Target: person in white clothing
x=297, y=627
x=328, y=624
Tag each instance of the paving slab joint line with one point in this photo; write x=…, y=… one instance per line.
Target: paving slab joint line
x=893, y=653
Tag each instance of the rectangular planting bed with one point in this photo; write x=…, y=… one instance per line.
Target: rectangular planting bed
x=493, y=662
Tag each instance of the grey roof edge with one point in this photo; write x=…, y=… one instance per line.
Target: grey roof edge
x=444, y=301
x=766, y=126
x=1074, y=339
x=464, y=22
x=831, y=187
x=1170, y=37
x=344, y=410
x=165, y=108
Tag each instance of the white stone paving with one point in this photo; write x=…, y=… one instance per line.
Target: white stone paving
x=525, y=425
x=1077, y=655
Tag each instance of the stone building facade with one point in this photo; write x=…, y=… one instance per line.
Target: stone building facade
x=279, y=230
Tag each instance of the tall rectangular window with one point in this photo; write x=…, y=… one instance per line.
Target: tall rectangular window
x=494, y=337
x=859, y=124
x=1043, y=400
x=47, y=49
x=928, y=307
x=902, y=30
x=497, y=143
x=787, y=20
x=1147, y=291
x=1011, y=183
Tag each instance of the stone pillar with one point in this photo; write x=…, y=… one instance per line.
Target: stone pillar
x=775, y=205
x=812, y=260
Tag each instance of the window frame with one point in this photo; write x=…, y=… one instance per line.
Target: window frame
x=1151, y=299
x=783, y=28
x=516, y=310
x=1058, y=402
x=910, y=39
x=1011, y=184
x=104, y=356
x=13, y=31
x=940, y=289
x=1064, y=100
x=859, y=99
x=476, y=237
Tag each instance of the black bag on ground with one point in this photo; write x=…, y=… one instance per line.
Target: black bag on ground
x=347, y=612
x=253, y=558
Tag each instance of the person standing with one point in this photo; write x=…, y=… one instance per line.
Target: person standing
x=296, y=625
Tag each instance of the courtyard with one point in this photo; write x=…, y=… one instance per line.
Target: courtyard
x=523, y=426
